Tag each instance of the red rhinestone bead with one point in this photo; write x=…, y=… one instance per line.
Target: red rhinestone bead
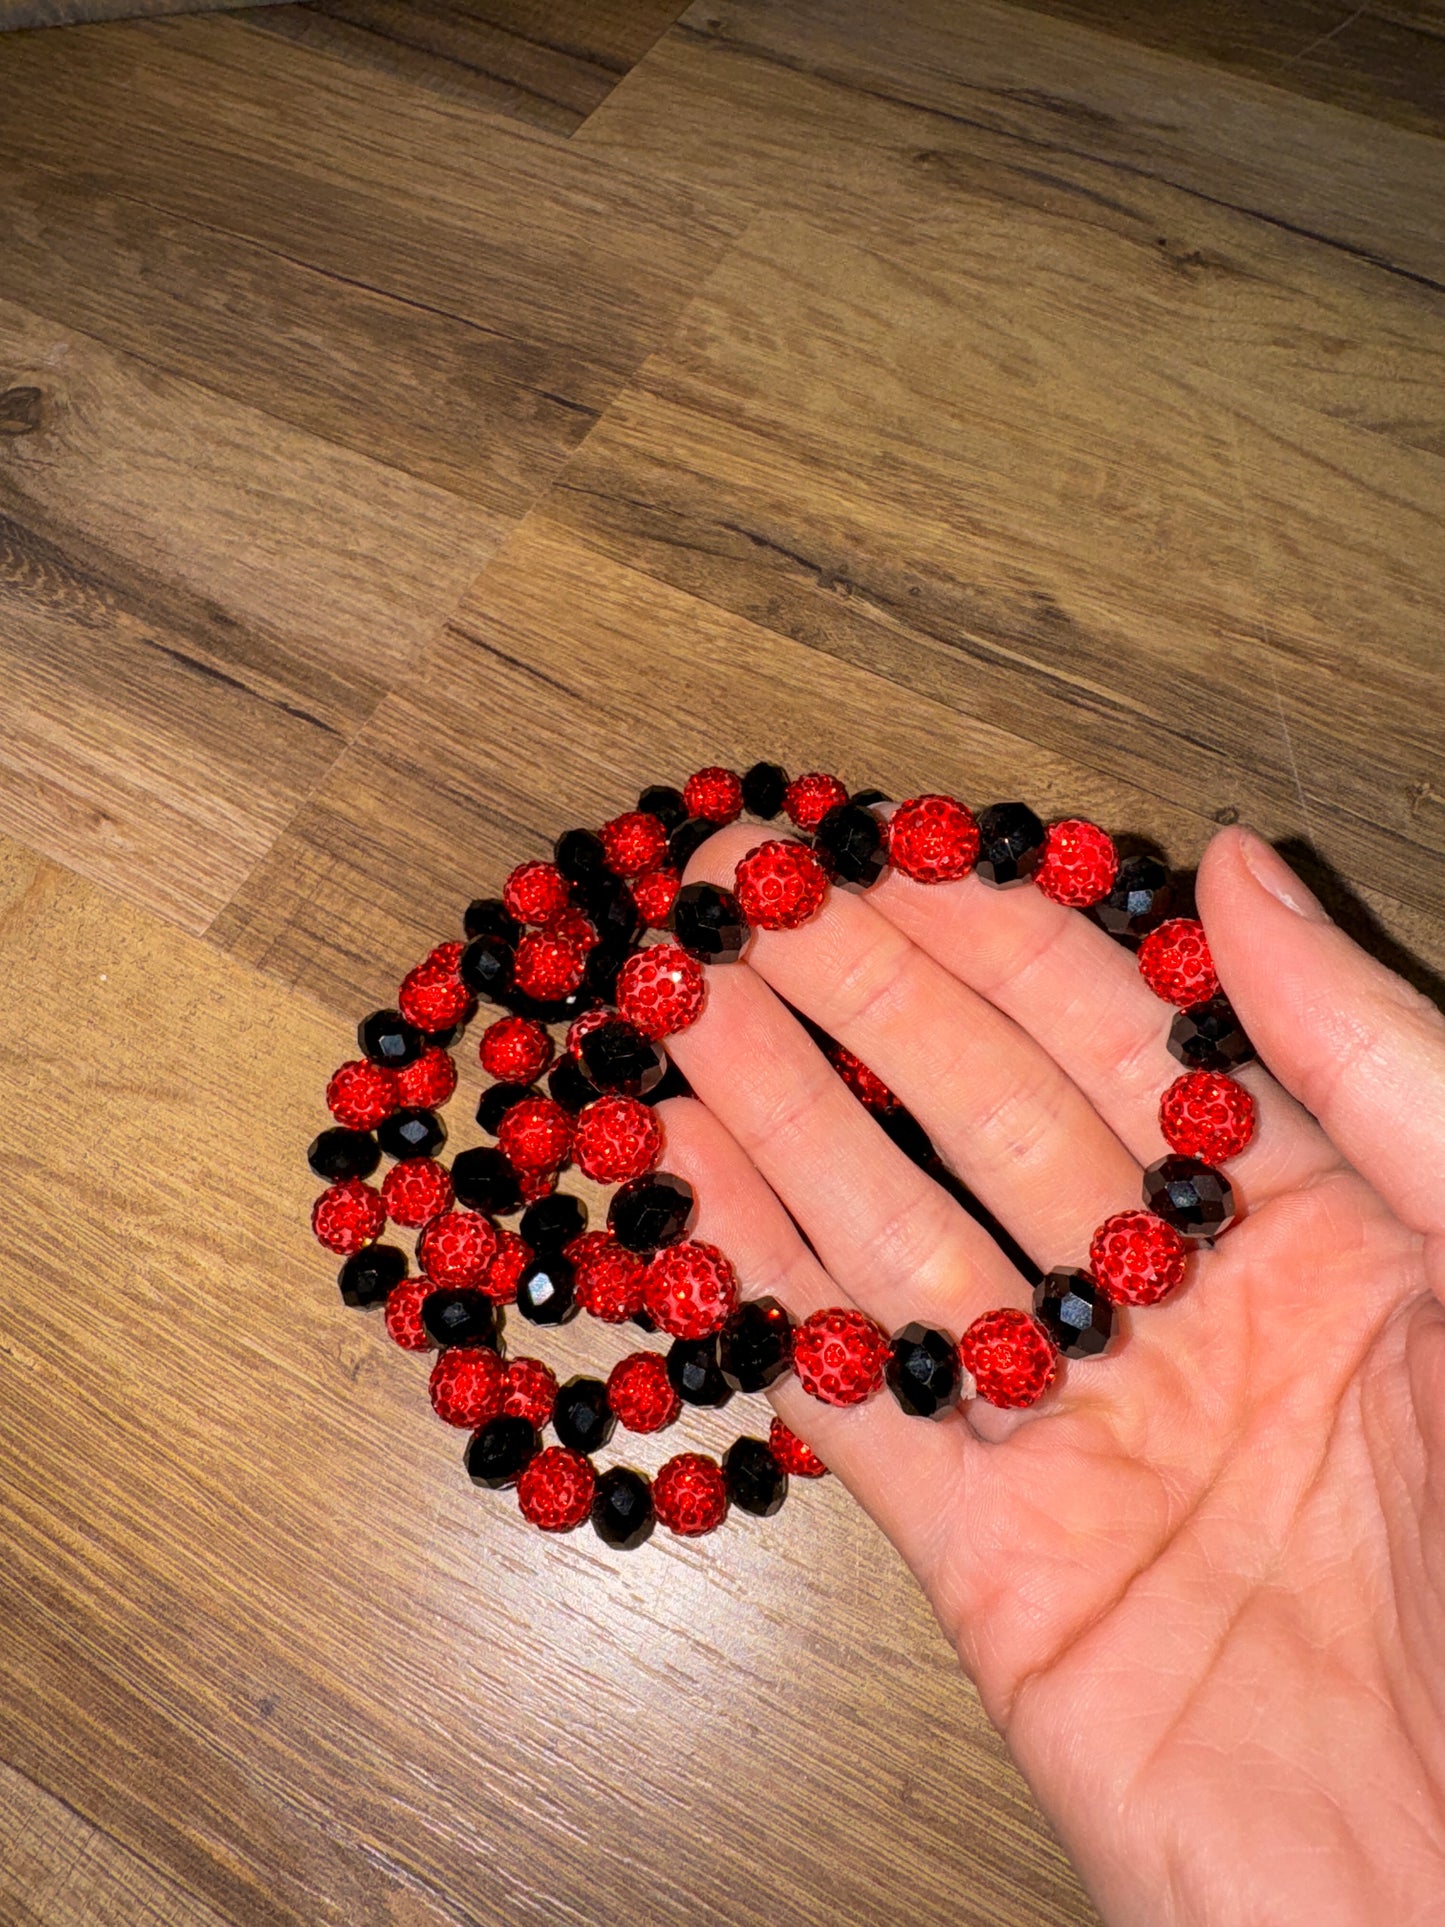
x=791, y=1453
x=689, y=1289
x=690, y=1494
x=1011, y=1357
x=616, y=1139
x=536, y=1136
x=546, y=968
x=348, y=1215
x=536, y=1184
x=865, y=1086
x=640, y=1392
x=456, y=1248
x=1174, y=961
x=446, y=957
x=513, y=1255
x=429, y=1082
x=554, y=1490
x=515, y=1049
x=433, y=996
x=716, y=794
x=608, y=1277
x=808, y=799
x=839, y=1356
x=530, y=1391
x=661, y=990
x=582, y=1028
x=933, y=839
x=780, y=885
x=533, y=892
x=1136, y=1258
x=403, y=1314
x=633, y=843
x=654, y=893
x=1079, y=863
x=467, y=1385
x=361, y=1094
x=415, y=1190
x=574, y=930
x=1204, y=1115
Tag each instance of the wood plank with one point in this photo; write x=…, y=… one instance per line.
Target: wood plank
x=263, y=1633
x=65, y=13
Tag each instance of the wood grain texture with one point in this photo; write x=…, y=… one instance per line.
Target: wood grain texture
x=269, y=1639
x=65, y=13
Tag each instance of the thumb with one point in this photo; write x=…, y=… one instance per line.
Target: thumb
x=1356, y=1044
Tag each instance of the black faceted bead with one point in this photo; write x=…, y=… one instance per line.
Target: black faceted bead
x=550, y=1223
x=1141, y=899
x=461, y=1317
x=692, y=1371
x=411, y=1134
x=609, y=906
x=644, y=1321
x=923, y=1371
x=1011, y=844
x=708, y=922
x=502, y=1449
x=338, y=1154
x=1074, y=1312
x=370, y=1276
x=490, y=917
x=562, y=1011
x=764, y=787
x=579, y=854
x=755, y=1346
x=568, y=1086
x=616, y=1057
x=484, y=1180
x=547, y=1290
x=497, y=1099
x=581, y=1417
x=867, y=798
x=1190, y=1195
x=665, y=803
x=852, y=845
x=486, y=968
x=687, y=839
x=622, y=1513
x=1209, y=1037
x=387, y=1038
x=600, y=972
x=673, y=1084
x=651, y=1212
x=908, y=1134
x=756, y=1482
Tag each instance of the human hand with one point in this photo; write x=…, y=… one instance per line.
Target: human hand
x=1201, y=1586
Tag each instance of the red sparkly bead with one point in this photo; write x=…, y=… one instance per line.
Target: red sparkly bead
x=574, y=930
x=808, y=799
x=1174, y=961
x=555, y=1489
x=714, y=793
x=1136, y=1258
x=433, y=996
x=533, y=892
x=1079, y=863
x=546, y=968
x=868, y=1089
x=608, y=1277
x=348, y=1216
x=689, y=1289
x=933, y=839
x=467, y=1385
x=536, y=1135
x=536, y=1184
x=429, y=1082
x=403, y=1314
x=513, y=1255
x=1011, y=1357
x=839, y=1356
x=690, y=1494
x=654, y=893
x=515, y=1049
x=616, y=1139
x=640, y=1392
x=530, y=1391
x=446, y=957
x=1204, y=1115
x=415, y=1190
x=661, y=990
x=791, y=1453
x=456, y=1248
x=780, y=885
x=633, y=843
x=581, y=1028
x=361, y=1094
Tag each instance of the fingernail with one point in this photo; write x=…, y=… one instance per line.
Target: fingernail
x=1272, y=873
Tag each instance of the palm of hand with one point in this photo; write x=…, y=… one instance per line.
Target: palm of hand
x=1202, y=1588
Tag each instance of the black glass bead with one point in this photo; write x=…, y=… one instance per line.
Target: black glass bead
x=581, y=1417
x=1011, y=844
x=616, y=1057
x=1209, y=1037
x=665, y=803
x=907, y=1133
x=339, y=1154
x=568, y=1086
x=610, y=908
x=852, y=845
x=622, y=1513
x=483, y=1180
x=550, y=1223
x=1190, y=1195
x=867, y=798
x=1141, y=899
x=708, y=922
x=490, y=917
x=687, y=839
x=486, y=968
x=497, y=1099
x=764, y=787
x=651, y=1212
x=644, y=1321
x=387, y=1038
x=692, y=1371
x=755, y=1346
x=1074, y=1312
x=461, y=1317
x=547, y=1290
x=673, y=1084
x=444, y=1039
x=600, y=972
x=923, y=1371
x=371, y=1275
x=502, y=1449
x=578, y=854
x=411, y=1134
x=756, y=1482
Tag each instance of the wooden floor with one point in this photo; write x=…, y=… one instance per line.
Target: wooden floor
x=418, y=425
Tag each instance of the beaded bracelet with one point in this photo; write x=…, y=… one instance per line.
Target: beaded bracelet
x=607, y=941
